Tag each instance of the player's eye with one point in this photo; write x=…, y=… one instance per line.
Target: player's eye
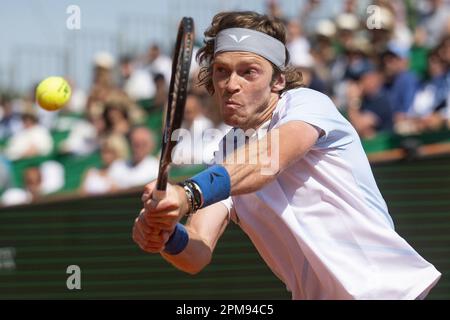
x=221, y=70
x=250, y=72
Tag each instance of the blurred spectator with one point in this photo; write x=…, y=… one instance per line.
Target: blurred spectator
x=324, y=34
x=52, y=177
x=143, y=167
x=444, y=51
x=116, y=118
x=347, y=66
x=83, y=137
x=296, y=43
x=382, y=32
x=400, y=84
x=161, y=92
x=305, y=64
x=104, y=63
x=350, y=6
x=347, y=25
x=120, y=114
x=274, y=9
x=434, y=20
x=38, y=182
x=368, y=109
x=32, y=191
x=5, y=174
x=433, y=93
x=78, y=100
x=137, y=83
x=33, y=181
x=310, y=14
x=103, y=81
x=429, y=109
x=192, y=148
x=401, y=34
x=10, y=121
x=324, y=52
x=33, y=140
x=159, y=63
x=100, y=180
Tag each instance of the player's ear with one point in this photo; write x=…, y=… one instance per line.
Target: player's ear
x=279, y=82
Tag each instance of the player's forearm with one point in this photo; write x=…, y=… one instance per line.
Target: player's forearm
x=202, y=230
x=254, y=165
x=246, y=179
x=195, y=257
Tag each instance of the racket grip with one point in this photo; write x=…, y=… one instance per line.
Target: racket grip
x=158, y=195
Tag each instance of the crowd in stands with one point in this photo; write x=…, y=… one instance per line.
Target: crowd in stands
x=384, y=64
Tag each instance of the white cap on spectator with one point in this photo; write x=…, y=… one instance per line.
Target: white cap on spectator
x=386, y=19
x=104, y=60
x=326, y=28
x=304, y=60
x=347, y=21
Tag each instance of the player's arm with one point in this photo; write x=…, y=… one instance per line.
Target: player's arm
x=204, y=229
x=293, y=140
x=190, y=248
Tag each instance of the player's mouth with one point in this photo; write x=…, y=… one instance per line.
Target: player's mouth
x=231, y=104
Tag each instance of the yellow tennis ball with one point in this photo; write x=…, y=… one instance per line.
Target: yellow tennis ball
x=53, y=93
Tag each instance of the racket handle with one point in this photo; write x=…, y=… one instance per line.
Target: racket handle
x=158, y=195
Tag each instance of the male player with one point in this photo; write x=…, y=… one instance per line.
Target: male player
x=315, y=214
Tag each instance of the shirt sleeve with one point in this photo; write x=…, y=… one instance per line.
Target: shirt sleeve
x=228, y=203
x=319, y=111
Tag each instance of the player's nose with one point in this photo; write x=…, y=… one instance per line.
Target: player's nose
x=232, y=84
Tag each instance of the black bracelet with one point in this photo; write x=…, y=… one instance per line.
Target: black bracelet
x=198, y=196
x=190, y=199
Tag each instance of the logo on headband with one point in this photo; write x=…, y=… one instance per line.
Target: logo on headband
x=234, y=37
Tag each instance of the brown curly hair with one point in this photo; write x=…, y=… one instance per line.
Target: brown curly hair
x=250, y=20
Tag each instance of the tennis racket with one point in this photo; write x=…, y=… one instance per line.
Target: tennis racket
x=181, y=64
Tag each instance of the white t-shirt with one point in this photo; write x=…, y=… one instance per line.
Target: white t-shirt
x=126, y=176
x=37, y=137
x=97, y=183
x=322, y=226
x=140, y=85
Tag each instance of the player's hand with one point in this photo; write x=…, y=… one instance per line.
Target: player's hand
x=166, y=213
x=149, y=238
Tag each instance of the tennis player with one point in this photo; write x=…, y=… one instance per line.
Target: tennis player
x=314, y=211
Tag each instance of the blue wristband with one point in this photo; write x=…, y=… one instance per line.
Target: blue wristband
x=214, y=184
x=177, y=241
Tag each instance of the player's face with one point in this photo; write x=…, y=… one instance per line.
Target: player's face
x=244, y=88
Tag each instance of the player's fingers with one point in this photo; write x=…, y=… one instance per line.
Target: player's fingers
x=145, y=218
x=148, y=190
x=164, y=224
x=145, y=196
x=149, y=225
x=148, y=228
x=165, y=235
x=143, y=228
x=151, y=246
x=160, y=206
x=149, y=187
x=139, y=239
x=167, y=217
x=138, y=231
x=152, y=216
